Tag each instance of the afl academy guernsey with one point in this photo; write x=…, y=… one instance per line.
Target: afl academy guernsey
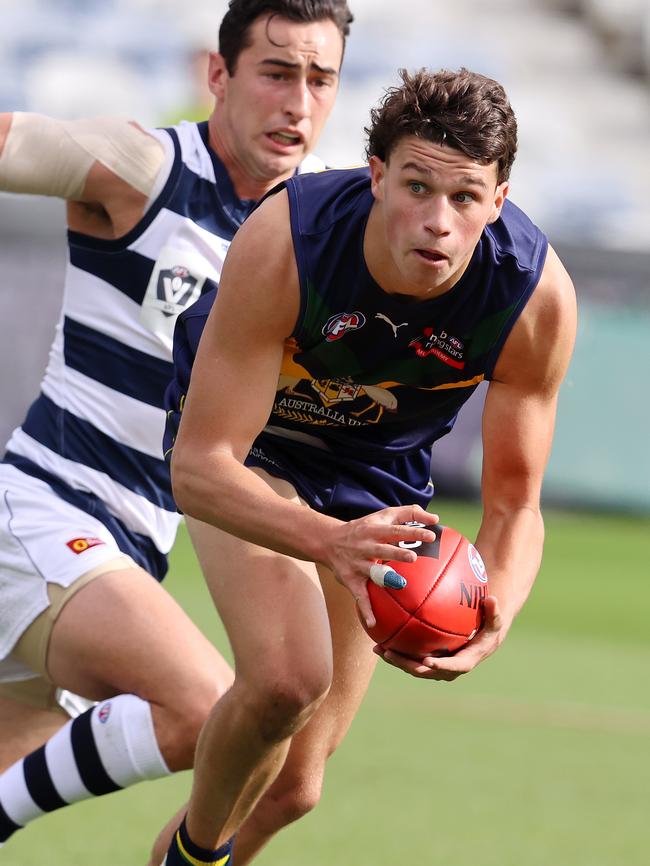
x=94, y=432
x=369, y=378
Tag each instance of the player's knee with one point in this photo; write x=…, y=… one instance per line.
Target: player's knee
x=282, y=706
x=299, y=800
x=291, y=797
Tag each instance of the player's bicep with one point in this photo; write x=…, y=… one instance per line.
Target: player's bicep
x=520, y=407
x=44, y=156
x=517, y=434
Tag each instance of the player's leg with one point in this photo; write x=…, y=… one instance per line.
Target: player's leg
x=119, y=636
x=298, y=786
x=29, y=715
x=274, y=611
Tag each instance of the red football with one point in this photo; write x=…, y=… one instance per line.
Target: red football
x=439, y=609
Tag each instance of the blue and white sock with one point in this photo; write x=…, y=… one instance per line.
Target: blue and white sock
x=105, y=749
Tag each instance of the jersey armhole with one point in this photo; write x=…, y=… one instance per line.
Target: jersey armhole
x=171, y=173
x=301, y=259
x=524, y=297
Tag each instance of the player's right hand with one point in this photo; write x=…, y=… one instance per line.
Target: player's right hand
x=390, y=534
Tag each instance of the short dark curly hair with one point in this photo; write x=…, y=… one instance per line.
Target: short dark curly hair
x=234, y=32
x=463, y=110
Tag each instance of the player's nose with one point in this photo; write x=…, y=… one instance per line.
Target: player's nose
x=438, y=216
x=298, y=100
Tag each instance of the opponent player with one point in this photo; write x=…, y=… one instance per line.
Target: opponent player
x=357, y=312
x=86, y=510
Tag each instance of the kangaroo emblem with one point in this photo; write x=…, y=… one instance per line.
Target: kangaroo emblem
x=392, y=324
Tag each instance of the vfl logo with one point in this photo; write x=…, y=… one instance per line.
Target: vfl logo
x=476, y=563
x=104, y=712
x=174, y=289
x=449, y=350
x=338, y=325
x=392, y=324
x=79, y=545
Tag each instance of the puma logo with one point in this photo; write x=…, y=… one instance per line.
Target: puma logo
x=392, y=324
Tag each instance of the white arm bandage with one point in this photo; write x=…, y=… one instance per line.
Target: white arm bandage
x=44, y=156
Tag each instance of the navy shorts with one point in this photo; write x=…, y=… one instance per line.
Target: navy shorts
x=342, y=487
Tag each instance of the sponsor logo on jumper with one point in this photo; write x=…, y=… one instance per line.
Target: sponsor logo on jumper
x=450, y=350
x=104, y=712
x=471, y=595
x=337, y=326
x=392, y=324
x=476, y=563
x=174, y=289
x=79, y=545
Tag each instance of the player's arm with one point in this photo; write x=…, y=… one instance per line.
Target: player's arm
x=233, y=385
x=518, y=422
x=106, y=168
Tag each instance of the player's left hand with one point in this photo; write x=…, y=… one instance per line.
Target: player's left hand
x=448, y=668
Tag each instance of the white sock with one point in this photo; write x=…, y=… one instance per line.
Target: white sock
x=109, y=747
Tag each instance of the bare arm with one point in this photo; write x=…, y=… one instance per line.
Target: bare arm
x=104, y=167
x=518, y=423
x=234, y=381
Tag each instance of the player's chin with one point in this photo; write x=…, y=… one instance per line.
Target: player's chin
x=280, y=163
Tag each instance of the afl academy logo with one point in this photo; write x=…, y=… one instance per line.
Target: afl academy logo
x=476, y=563
x=450, y=350
x=338, y=325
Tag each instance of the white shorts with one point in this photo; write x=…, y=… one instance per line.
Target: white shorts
x=43, y=540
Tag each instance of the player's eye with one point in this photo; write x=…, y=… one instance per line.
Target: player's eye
x=464, y=197
x=416, y=187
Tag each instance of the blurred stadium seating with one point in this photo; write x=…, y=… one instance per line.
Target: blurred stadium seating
x=578, y=73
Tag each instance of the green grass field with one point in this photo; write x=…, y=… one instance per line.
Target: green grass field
x=540, y=756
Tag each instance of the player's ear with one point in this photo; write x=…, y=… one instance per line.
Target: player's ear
x=500, y=196
x=217, y=74
x=377, y=174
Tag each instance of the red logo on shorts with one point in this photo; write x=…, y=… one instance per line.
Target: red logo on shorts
x=78, y=545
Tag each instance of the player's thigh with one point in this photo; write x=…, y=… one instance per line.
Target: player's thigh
x=297, y=788
x=272, y=605
x=123, y=633
x=354, y=665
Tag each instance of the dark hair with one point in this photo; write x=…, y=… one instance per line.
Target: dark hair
x=463, y=110
x=234, y=32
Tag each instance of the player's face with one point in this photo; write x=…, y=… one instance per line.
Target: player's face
x=271, y=111
x=433, y=203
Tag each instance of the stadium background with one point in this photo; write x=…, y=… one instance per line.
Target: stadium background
x=544, y=754
x=577, y=73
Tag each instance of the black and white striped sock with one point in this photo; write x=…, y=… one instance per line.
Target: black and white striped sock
x=109, y=747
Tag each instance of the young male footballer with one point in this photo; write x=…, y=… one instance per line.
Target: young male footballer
x=357, y=312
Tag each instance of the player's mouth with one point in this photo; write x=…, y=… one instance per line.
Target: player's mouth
x=286, y=139
x=432, y=257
